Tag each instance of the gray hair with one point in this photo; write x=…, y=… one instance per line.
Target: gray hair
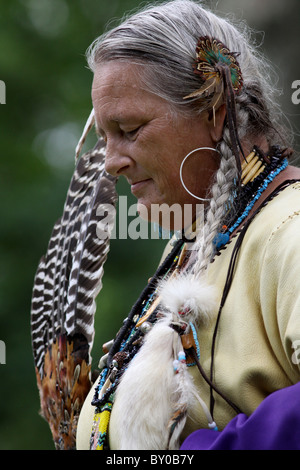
x=164, y=37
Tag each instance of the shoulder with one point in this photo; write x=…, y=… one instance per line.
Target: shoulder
x=273, y=232
x=281, y=214
x=274, y=236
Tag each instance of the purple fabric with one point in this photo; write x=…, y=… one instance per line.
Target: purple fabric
x=274, y=425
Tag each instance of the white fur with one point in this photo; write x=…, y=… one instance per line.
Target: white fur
x=150, y=392
x=186, y=293
x=146, y=397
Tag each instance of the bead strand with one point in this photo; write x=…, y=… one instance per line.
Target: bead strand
x=223, y=237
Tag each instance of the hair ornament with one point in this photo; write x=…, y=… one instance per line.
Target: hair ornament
x=222, y=76
x=212, y=59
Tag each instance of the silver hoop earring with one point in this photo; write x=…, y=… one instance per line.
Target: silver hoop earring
x=181, y=166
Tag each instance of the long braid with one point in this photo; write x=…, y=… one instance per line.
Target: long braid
x=221, y=195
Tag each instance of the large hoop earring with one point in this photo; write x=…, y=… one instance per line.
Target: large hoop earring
x=181, y=166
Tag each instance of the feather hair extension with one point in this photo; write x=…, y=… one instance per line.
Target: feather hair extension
x=67, y=281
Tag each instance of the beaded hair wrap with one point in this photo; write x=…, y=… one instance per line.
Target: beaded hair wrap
x=222, y=76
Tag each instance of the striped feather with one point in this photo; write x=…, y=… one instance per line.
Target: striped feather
x=66, y=284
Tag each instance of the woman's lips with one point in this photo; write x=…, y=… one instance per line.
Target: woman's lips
x=136, y=187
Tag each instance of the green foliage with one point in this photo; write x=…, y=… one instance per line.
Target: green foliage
x=42, y=63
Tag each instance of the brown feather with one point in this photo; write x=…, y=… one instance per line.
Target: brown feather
x=63, y=389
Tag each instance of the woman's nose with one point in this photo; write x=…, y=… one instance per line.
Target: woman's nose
x=117, y=160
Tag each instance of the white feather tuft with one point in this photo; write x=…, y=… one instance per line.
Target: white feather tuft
x=195, y=299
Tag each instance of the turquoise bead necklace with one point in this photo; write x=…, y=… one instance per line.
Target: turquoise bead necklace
x=222, y=238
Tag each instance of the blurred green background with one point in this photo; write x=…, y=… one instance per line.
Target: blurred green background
x=42, y=62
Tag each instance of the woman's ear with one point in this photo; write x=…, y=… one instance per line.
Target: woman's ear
x=215, y=123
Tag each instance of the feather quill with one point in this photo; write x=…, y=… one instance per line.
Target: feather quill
x=66, y=284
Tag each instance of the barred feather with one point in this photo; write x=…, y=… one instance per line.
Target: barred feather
x=67, y=281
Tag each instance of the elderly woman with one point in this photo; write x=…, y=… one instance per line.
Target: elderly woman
x=206, y=358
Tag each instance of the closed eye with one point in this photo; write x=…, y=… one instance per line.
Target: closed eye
x=129, y=134
x=133, y=133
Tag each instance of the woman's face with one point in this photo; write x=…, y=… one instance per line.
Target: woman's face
x=147, y=141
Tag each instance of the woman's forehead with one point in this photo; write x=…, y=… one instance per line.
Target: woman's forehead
x=119, y=91
x=117, y=74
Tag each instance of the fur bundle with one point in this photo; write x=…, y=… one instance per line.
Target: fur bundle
x=147, y=393
x=152, y=400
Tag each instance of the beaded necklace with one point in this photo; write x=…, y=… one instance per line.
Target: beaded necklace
x=260, y=174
